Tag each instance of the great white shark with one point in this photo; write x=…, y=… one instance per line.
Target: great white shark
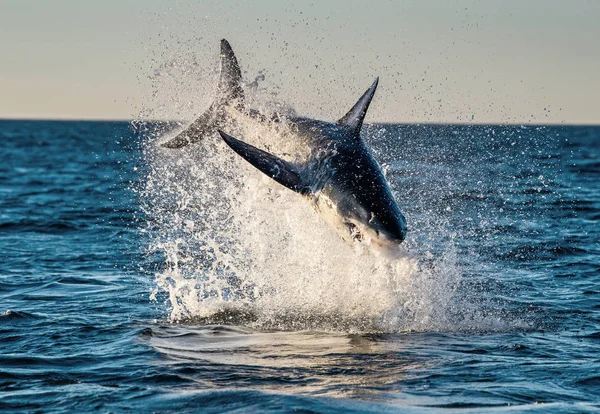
x=342, y=179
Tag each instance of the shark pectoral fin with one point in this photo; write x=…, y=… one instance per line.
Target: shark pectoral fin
x=355, y=116
x=276, y=168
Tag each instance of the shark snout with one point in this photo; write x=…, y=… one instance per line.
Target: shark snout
x=389, y=231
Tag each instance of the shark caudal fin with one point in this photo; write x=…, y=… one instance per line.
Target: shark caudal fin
x=229, y=93
x=279, y=170
x=353, y=120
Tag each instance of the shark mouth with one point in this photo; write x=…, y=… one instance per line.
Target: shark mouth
x=355, y=233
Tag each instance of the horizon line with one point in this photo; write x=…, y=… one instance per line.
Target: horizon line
x=129, y=120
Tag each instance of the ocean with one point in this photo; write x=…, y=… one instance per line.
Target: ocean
x=135, y=278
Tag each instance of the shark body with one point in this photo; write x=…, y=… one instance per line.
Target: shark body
x=341, y=179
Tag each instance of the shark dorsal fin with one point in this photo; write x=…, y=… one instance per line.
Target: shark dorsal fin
x=355, y=117
x=230, y=81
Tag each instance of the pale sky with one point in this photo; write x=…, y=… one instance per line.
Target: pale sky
x=496, y=61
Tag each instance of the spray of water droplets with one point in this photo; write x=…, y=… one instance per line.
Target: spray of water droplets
x=235, y=247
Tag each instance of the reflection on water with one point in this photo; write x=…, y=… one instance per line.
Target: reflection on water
x=398, y=370
x=323, y=363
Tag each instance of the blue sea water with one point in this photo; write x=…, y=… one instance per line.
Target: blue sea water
x=93, y=317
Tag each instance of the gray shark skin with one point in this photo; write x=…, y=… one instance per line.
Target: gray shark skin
x=342, y=180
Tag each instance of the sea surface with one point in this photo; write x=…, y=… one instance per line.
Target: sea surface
x=134, y=278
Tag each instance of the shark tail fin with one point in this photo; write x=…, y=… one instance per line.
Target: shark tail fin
x=279, y=170
x=229, y=93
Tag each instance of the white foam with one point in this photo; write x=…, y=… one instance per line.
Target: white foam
x=235, y=241
x=241, y=249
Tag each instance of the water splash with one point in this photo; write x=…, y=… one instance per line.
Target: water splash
x=238, y=248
